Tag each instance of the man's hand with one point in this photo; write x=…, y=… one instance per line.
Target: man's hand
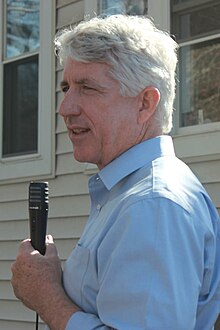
x=32, y=273
x=37, y=282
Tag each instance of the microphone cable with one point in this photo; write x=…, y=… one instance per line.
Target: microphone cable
x=36, y=322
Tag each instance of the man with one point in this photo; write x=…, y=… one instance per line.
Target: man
x=148, y=257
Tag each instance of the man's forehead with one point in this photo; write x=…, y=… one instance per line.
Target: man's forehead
x=85, y=66
x=80, y=72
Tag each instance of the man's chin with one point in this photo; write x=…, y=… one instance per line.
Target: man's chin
x=82, y=158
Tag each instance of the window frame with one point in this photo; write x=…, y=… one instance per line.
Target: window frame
x=198, y=128
x=40, y=164
x=91, y=7
x=161, y=17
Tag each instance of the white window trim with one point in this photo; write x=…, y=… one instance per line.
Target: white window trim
x=41, y=165
x=159, y=10
x=91, y=7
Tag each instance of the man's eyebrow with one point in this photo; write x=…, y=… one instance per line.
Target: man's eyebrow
x=82, y=81
x=89, y=81
x=63, y=83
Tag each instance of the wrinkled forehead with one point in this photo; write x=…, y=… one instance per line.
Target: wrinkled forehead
x=92, y=72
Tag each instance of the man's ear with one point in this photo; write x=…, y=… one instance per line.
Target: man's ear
x=149, y=99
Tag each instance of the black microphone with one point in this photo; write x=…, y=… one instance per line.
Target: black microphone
x=38, y=212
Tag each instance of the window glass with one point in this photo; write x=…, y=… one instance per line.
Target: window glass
x=175, y=2
x=22, y=28
x=200, y=82
x=130, y=7
x=20, y=119
x=200, y=22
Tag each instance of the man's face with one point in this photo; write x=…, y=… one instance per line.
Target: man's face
x=101, y=122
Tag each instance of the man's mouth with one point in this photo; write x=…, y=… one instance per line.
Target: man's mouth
x=78, y=131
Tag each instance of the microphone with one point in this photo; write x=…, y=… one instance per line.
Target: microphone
x=38, y=212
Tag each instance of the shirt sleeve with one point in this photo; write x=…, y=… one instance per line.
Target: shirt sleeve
x=151, y=270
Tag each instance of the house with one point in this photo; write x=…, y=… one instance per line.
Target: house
x=33, y=140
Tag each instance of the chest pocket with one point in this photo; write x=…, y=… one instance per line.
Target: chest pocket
x=74, y=272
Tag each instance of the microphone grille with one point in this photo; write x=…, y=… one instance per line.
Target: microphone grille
x=38, y=192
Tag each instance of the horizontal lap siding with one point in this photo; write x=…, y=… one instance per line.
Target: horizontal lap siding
x=21, y=325
x=202, y=153
x=208, y=173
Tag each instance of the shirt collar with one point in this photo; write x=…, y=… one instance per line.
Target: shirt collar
x=135, y=158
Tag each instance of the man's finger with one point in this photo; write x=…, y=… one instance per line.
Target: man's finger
x=26, y=246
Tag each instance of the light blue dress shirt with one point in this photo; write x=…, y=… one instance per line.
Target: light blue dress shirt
x=149, y=256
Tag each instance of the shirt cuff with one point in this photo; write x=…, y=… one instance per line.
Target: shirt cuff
x=81, y=320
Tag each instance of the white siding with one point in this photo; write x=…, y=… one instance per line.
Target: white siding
x=209, y=174
x=202, y=153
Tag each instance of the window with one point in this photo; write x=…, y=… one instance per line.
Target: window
x=20, y=112
x=130, y=7
x=26, y=102
x=196, y=25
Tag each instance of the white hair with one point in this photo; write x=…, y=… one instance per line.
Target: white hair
x=139, y=55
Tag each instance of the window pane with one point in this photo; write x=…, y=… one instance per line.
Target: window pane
x=22, y=34
x=198, y=23
x=176, y=2
x=200, y=80
x=130, y=7
x=20, y=116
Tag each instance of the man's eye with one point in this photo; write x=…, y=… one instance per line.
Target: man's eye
x=65, y=89
x=85, y=87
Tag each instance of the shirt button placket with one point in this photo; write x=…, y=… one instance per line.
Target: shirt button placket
x=98, y=207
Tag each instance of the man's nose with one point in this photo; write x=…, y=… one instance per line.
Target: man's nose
x=69, y=105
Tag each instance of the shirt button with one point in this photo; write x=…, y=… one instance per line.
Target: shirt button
x=98, y=207
x=97, y=178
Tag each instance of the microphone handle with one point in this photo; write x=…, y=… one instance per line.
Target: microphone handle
x=38, y=225
x=38, y=212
